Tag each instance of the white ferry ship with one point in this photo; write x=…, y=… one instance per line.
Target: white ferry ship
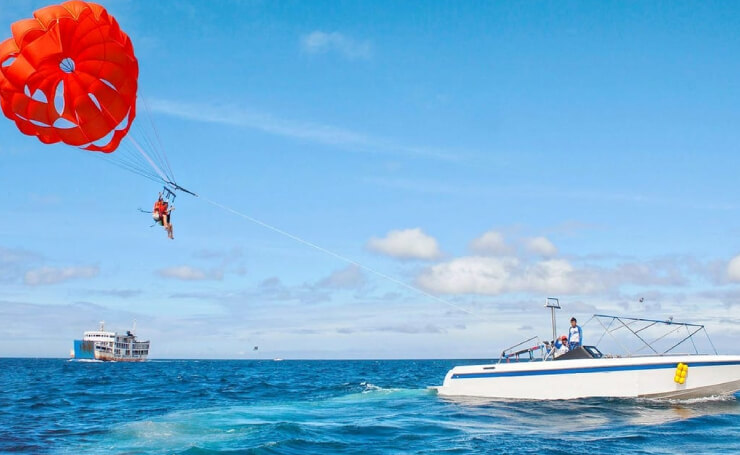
x=105, y=345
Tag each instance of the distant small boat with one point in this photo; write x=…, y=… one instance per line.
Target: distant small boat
x=277, y=360
x=110, y=346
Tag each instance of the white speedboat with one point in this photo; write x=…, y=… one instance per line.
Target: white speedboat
x=586, y=372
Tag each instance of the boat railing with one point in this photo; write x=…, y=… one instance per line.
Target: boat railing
x=515, y=353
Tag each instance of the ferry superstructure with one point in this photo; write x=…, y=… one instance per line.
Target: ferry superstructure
x=104, y=345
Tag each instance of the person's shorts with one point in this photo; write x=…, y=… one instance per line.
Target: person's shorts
x=156, y=217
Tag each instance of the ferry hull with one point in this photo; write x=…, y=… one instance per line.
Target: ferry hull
x=650, y=377
x=107, y=357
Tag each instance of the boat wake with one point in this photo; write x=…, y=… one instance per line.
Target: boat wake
x=729, y=398
x=370, y=414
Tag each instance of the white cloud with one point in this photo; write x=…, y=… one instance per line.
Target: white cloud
x=231, y=115
x=406, y=244
x=491, y=243
x=541, y=246
x=494, y=275
x=14, y=263
x=308, y=131
x=54, y=275
x=469, y=275
x=733, y=269
x=350, y=277
x=318, y=42
x=188, y=273
x=554, y=276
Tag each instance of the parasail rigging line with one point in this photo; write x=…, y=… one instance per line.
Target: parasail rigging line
x=337, y=256
x=152, y=171
x=156, y=168
x=156, y=135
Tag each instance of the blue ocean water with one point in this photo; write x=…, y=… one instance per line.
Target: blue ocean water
x=233, y=407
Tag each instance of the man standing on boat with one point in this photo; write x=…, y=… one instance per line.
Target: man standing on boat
x=575, y=335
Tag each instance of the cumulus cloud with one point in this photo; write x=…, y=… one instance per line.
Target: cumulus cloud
x=493, y=276
x=318, y=42
x=540, y=246
x=733, y=269
x=663, y=272
x=224, y=256
x=491, y=243
x=54, y=275
x=273, y=289
x=406, y=244
x=14, y=262
x=350, y=277
x=468, y=275
x=188, y=273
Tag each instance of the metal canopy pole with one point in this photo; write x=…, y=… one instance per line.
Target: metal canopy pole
x=609, y=332
x=687, y=338
x=638, y=336
x=553, y=304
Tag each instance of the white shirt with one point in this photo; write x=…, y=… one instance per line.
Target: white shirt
x=574, y=336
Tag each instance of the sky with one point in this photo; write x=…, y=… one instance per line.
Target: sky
x=449, y=164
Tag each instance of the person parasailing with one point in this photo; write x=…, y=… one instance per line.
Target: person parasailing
x=162, y=214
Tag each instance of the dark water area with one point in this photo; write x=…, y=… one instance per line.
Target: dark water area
x=249, y=406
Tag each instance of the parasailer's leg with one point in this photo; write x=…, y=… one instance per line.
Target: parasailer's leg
x=168, y=226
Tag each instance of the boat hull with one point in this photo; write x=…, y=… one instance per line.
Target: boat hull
x=650, y=377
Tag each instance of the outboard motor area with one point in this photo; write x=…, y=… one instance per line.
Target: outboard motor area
x=583, y=352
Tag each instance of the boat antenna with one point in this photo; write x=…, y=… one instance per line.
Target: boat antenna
x=553, y=304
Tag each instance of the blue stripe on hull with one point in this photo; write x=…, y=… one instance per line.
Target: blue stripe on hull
x=588, y=370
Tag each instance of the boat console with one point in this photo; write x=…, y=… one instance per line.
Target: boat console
x=583, y=352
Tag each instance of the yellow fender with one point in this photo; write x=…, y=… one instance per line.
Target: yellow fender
x=682, y=371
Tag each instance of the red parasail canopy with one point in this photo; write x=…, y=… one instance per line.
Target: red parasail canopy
x=70, y=75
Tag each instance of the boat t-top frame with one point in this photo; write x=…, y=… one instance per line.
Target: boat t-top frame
x=637, y=327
